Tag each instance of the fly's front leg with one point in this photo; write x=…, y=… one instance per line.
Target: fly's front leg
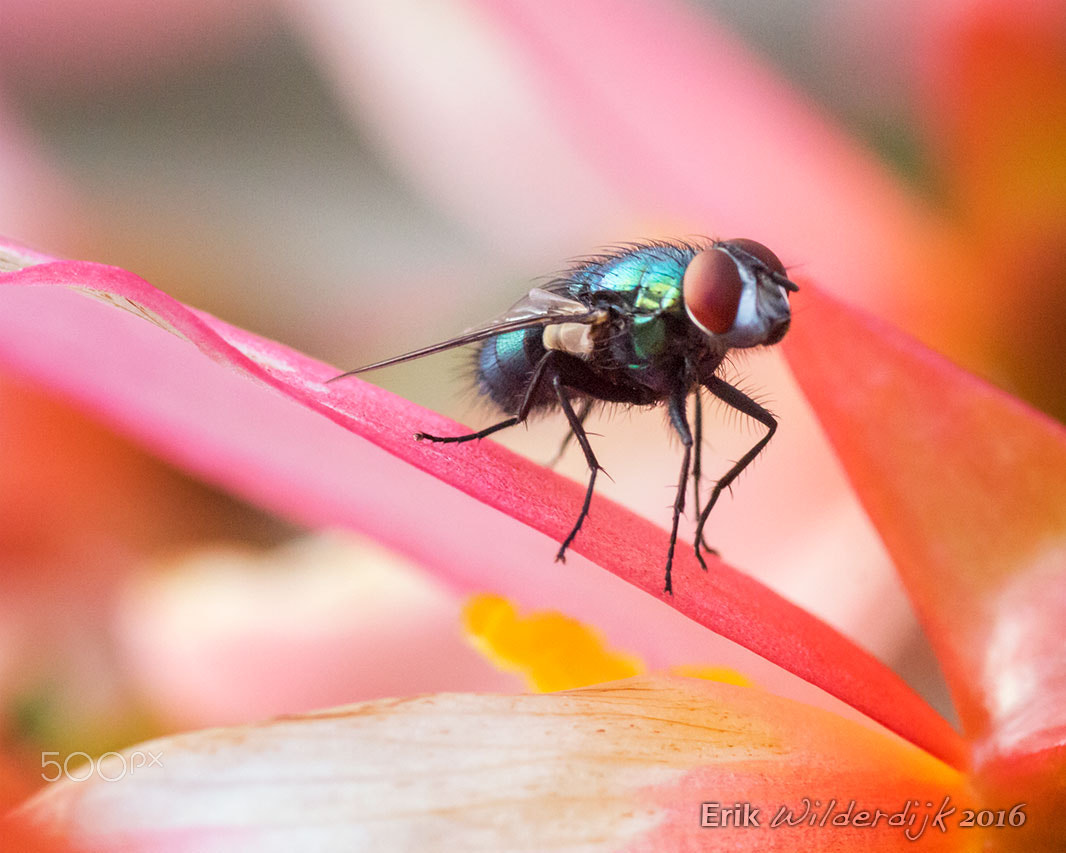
x=742, y=403
x=680, y=422
x=697, y=461
x=582, y=439
x=520, y=415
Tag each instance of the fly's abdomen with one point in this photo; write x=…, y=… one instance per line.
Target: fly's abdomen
x=505, y=367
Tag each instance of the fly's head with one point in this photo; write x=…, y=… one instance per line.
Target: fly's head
x=736, y=291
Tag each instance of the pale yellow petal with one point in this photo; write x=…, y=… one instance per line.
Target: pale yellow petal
x=618, y=766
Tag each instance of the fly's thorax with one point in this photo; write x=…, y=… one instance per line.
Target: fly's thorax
x=645, y=351
x=640, y=291
x=648, y=280
x=653, y=336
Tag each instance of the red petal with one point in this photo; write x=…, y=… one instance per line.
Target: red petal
x=968, y=488
x=276, y=449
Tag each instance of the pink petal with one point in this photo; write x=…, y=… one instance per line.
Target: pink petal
x=25, y=174
x=277, y=449
x=290, y=630
x=448, y=102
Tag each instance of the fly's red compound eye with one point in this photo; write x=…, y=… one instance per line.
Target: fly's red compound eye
x=773, y=263
x=712, y=289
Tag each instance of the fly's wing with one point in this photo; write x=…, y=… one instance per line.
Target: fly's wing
x=540, y=307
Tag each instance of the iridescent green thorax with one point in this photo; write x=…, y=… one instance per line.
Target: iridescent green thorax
x=649, y=338
x=649, y=279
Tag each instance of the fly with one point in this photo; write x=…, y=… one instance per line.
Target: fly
x=645, y=324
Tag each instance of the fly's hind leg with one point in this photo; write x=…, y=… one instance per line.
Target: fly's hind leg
x=578, y=431
x=582, y=414
x=544, y=371
x=520, y=415
x=474, y=436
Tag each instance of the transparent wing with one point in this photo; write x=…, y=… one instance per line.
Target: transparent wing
x=539, y=307
x=543, y=304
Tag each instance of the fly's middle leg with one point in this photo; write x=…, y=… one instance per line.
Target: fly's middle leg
x=582, y=414
x=680, y=424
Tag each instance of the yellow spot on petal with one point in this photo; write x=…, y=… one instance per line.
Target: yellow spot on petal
x=712, y=673
x=552, y=650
